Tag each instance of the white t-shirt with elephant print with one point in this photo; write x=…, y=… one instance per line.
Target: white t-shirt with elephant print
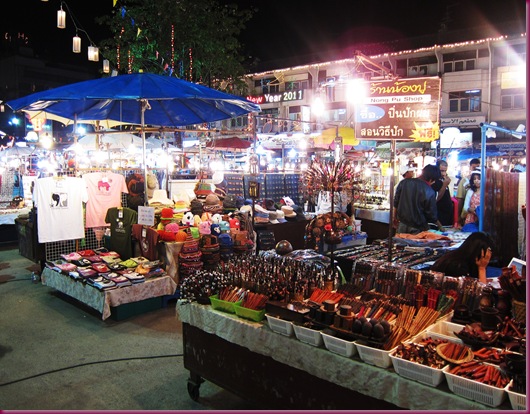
x=59, y=202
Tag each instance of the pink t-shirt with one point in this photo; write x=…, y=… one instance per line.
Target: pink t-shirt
x=104, y=192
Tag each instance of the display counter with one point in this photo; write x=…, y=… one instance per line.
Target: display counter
x=103, y=301
x=293, y=231
x=28, y=243
x=280, y=372
x=8, y=216
x=374, y=222
x=8, y=228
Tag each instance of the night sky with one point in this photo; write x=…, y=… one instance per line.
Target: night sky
x=281, y=28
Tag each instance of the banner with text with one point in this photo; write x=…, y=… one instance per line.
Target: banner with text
x=400, y=109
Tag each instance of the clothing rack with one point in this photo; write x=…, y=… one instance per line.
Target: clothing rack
x=93, y=238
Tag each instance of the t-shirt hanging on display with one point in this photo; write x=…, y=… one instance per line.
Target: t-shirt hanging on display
x=148, y=239
x=59, y=202
x=104, y=192
x=121, y=221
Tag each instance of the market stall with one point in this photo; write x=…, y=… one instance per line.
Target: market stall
x=108, y=302
x=292, y=368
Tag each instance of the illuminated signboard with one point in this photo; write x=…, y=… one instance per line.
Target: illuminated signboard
x=286, y=96
x=400, y=109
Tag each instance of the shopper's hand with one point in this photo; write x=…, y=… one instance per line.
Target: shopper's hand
x=447, y=180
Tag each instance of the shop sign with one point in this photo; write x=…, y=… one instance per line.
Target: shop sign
x=464, y=122
x=286, y=96
x=400, y=109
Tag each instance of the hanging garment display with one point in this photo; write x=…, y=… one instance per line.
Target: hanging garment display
x=121, y=221
x=59, y=202
x=104, y=191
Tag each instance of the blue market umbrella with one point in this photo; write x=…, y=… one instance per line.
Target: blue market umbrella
x=168, y=101
x=139, y=99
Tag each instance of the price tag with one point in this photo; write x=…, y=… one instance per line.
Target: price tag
x=120, y=213
x=146, y=215
x=144, y=232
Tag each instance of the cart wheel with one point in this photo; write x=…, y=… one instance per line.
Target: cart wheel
x=193, y=391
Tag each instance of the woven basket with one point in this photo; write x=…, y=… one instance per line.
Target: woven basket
x=519, y=310
x=440, y=351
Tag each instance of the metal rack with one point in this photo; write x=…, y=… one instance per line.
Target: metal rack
x=93, y=239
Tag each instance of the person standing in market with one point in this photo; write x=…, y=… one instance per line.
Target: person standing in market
x=463, y=185
x=415, y=202
x=406, y=171
x=472, y=203
x=444, y=203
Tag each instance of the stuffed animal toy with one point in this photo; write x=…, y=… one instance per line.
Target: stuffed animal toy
x=216, y=218
x=224, y=226
x=234, y=223
x=187, y=219
x=194, y=231
x=215, y=229
x=196, y=220
x=206, y=217
x=204, y=228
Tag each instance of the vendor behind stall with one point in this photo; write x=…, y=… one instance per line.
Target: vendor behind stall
x=470, y=259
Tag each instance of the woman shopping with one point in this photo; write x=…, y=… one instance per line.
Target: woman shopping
x=471, y=203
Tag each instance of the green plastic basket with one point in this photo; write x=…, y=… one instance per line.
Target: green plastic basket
x=223, y=305
x=251, y=314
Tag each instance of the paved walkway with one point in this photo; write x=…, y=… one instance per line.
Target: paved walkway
x=57, y=354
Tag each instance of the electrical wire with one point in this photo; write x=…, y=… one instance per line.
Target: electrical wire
x=89, y=363
x=15, y=280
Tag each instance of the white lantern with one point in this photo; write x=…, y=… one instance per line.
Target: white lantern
x=76, y=44
x=61, y=18
x=93, y=53
x=106, y=66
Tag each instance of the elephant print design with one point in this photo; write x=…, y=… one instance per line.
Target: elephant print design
x=59, y=200
x=103, y=184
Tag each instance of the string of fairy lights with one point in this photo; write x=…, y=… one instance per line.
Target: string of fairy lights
x=65, y=11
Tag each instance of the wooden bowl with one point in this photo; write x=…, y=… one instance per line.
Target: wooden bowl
x=441, y=348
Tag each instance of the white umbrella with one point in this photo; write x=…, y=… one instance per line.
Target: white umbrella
x=109, y=140
x=17, y=151
x=43, y=116
x=157, y=143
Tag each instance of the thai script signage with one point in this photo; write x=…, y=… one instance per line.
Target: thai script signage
x=400, y=109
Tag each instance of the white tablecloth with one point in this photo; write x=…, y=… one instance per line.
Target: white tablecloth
x=383, y=384
x=103, y=300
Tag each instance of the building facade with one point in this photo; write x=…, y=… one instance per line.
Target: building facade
x=482, y=81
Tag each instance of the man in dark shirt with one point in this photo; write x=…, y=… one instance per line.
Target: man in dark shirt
x=444, y=203
x=415, y=202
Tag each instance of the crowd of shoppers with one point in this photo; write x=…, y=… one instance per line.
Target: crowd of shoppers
x=427, y=201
